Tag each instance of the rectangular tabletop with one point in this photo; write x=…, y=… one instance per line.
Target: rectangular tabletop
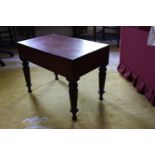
x=64, y=55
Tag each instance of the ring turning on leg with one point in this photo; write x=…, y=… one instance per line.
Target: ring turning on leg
x=73, y=93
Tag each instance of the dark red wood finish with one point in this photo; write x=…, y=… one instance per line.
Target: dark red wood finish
x=67, y=56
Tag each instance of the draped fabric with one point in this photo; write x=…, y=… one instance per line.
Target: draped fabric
x=137, y=61
x=141, y=85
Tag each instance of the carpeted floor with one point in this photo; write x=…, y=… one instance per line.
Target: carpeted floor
x=48, y=106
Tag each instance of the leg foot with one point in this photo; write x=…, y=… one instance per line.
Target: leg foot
x=102, y=77
x=74, y=118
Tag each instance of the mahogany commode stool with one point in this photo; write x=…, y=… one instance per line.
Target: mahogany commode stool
x=67, y=56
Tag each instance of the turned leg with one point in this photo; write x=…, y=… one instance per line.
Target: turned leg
x=26, y=71
x=73, y=93
x=56, y=76
x=102, y=77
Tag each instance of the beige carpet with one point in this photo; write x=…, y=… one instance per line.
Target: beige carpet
x=48, y=106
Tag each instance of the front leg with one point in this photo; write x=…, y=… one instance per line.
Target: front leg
x=56, y=76
x=102, y=77
x=26, y=71
x=73, y=93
